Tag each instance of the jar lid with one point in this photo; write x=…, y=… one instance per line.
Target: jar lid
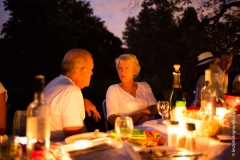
x=174, y=122
x=190, y=126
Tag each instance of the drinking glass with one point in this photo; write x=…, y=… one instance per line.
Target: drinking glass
x=163, y=108
x=124, y=128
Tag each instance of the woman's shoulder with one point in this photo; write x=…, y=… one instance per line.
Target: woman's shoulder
x=113, y=87
x=143, y=84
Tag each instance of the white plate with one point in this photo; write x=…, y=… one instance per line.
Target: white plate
x=144, y=127
x=169, y=151
x=88, y=136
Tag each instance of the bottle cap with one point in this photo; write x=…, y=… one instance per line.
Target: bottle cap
x=190, y=126
x=174, y=122
x=176, y=67
x=207, y=75
x=180, y=103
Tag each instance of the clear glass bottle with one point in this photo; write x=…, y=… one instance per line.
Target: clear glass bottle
x=208, y=98
x=38, y=123
x=177, y=93
x=191, y=137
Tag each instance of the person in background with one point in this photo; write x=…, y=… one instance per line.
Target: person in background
x=63, y=94
x=205, y=61
x=130, y=98
x=220, y=79
x=236, y=84
x=3, y=108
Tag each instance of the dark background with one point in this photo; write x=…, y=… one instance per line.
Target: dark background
x=39, y=33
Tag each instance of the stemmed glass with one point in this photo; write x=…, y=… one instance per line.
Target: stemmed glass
x=124, y=128
x=163, y=108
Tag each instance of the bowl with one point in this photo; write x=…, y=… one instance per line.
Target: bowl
x=232, y=99
x=206, y=128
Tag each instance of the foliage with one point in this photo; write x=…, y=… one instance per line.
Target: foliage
x=159, y=38
x=39, y=33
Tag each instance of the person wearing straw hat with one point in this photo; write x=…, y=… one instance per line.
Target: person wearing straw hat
x=205, y=61
x=220, y=79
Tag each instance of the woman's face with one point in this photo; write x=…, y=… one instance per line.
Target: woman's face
x=125, y=71
x=214, y=66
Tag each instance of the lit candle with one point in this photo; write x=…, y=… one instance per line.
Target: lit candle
x=81, y=144
x=220, y=111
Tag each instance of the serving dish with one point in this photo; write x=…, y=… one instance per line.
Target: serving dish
x=72, y=151
x=86, y=136
x=137, y=134
x=167, y=153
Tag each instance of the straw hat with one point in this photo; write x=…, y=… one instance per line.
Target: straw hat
x=206, y=57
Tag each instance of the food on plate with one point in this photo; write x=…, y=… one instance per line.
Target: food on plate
x=153, y=138
x=152, y=155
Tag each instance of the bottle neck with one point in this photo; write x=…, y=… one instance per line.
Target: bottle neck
x=176, y=80
x=208, y=83
x=39, y=96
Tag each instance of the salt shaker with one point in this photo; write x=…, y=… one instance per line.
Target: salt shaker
x=191, y=137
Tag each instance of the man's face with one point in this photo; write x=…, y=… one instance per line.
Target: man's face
x=225, y=62
x=89, y=71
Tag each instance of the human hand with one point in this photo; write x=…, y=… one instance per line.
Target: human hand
x=145, y=112
x=90, y=107
x=143, y=119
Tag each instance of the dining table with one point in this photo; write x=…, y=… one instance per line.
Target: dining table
x=215, y=150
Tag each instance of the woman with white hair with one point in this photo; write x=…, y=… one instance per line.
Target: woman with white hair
x=130, y=98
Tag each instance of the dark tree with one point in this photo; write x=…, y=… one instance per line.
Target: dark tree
x=39, y=33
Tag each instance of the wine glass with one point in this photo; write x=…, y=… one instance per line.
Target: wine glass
x=163, y=108
x=124, y=128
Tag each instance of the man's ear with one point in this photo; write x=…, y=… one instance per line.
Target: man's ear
x=83, y=71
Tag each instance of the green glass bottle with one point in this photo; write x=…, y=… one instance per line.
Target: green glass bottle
x=177, y=93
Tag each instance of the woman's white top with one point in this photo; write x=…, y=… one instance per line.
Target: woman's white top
x=2, y=89
x=121, y=103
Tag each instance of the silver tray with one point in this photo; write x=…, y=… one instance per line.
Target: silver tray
x=70, y=151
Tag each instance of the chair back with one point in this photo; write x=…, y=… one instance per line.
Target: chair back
x=105, y=114
x=19, y=123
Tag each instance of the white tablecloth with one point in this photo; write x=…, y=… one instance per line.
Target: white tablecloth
x=215, y=151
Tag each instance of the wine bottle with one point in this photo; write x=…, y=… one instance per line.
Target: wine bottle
x=38, y=123
x=177, y=93
x=208, y=98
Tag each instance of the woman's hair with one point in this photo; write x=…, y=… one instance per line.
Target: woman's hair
x=129, y=58
x=200, y=70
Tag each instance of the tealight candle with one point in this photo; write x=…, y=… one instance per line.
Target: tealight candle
x=81, y=144
x=220, y=111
